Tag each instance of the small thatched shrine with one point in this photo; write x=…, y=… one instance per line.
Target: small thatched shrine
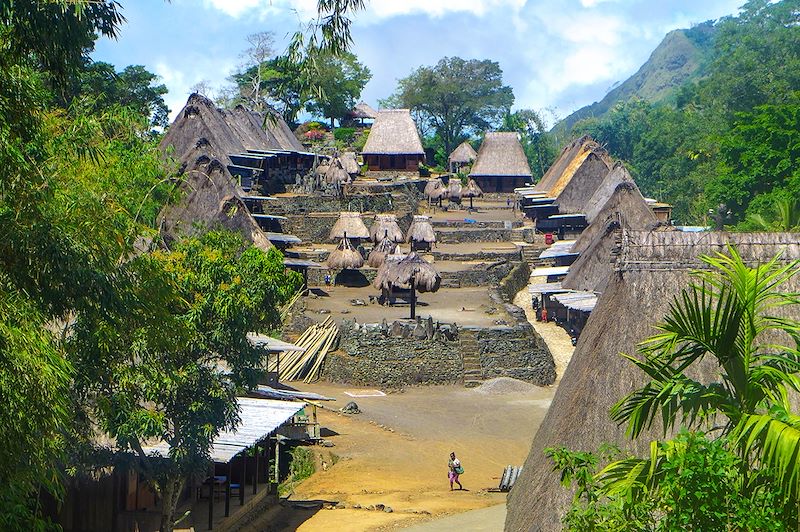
x=350, y=163
x=362, y=111
x=393, y=143
x=385, y=226
x=335, y=174
x=501, y=165
x=345, y=257
x=412, y=273
x=421, y=234
x=472, y=190
x=435, y=190
x=382, y=249
x=349, y=225
x=454, y=190
x=650, y=269
x=462, y=156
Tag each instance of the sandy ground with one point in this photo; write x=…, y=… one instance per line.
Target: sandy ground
x=556, y=338
x=395, y=453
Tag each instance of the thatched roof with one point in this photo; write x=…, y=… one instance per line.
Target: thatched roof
x=472, y=190
x=576, y=175
x=363, y=110
x=454, y=189
x=395, y=133
x=435, y=189
x=345, y=257
x=618, y=174
x=501, y=154
x=377, y=256
x=463, y=154
x=651, y=269
x=350, y=163
x=411, y=268
x=336, y=173
x=385, y=226
x=210, y=199
x=625, y=205
x=421, y=230
x=350, y=225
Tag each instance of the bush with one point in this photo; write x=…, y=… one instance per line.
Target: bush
x=344, y=134
x=314, y=135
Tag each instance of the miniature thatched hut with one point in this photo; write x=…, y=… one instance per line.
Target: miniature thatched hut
x=345, y=257
x=421, y=234
x=350, y=163
x=385, y=226
x=651, y=268
x=435, y=190
x=336, y=174
x=472, y=190
x=411, y=272
x=349, y=225
x=454, y=190
x=393, y=143
x=501, y=165
x=362, y=111
x=377, y=256
x=462, y=156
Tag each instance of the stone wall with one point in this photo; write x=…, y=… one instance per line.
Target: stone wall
x=379, y=355
x=516, y=280
x=514, y=351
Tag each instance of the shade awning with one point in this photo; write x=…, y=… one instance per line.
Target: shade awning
x=280, y=237
x=546, y=288
x=549, y=272
x=581, y=301
x=301, y=263
x=269, y=392
x=559, y=249
x=259, y=419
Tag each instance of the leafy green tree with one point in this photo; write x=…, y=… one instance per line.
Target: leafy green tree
x=456, y=97
x=539, y=146
x=282, y=87
x=785, y=217
x=168, y=363
x=340, y=79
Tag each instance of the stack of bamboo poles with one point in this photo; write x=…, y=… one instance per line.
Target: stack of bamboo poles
x=306, y=365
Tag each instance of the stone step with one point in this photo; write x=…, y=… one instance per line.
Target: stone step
x=472, y=383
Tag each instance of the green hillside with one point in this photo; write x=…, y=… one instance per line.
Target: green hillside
x=713, y=118
x=678, y=59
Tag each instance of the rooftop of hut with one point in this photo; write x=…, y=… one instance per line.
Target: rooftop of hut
x=363, y=110
x=393, y=133
x=464, y=153
x=501, y=154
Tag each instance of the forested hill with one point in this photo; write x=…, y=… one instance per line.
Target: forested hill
x=729, y=134
x=678, y=59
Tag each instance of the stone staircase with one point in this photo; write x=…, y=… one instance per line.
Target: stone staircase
x=473, y=373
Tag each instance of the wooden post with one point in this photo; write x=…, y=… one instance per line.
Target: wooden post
x=255, y=471
x=115, y=497
x=413, y=299
x=244, y=477
x=211, y=500
x=228, y=490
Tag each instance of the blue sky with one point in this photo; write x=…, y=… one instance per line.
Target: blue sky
x=556, y=54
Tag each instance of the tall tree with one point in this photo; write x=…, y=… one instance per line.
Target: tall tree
x=456, y=97
x=340, y=79
x=538, y=144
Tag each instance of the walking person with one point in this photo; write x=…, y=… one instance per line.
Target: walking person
x=455, y=468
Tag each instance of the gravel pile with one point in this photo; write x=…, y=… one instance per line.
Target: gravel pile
x=503, y=386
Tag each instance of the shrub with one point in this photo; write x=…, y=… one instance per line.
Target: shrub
x=344, y=134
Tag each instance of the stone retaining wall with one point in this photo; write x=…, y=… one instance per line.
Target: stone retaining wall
x=514, y=351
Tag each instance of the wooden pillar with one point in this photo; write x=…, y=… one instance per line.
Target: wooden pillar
x=228, y=489
x=413, y=299
x=244, y=477
x=115, y=497
x=255, y=471
x=211, y=500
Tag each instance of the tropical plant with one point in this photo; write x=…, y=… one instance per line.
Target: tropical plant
x=785, y=216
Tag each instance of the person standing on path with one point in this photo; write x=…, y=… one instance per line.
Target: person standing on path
x=455, y=469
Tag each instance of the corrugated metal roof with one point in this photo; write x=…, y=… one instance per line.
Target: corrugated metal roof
x=272, y=344
x=559, y=249
x=547, y=272
x=268, y=216
x=582, y=301
x=301, y=263
x=259, y=418
x=576, y=215
x=280, y=237
x=546, y=288
x=289, y=395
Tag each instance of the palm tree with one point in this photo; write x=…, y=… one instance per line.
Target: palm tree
x=731, y=317
x=786, y=216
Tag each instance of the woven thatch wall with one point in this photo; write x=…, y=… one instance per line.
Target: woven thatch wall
x=652, y=269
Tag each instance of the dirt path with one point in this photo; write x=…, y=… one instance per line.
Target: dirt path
x=556, y=338
x=395, y=454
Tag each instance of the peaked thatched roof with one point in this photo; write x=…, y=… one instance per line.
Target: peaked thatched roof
x=211, y=199
x=385, y=226
x=618, y=174
x=579, y=158
x=463, y=154
x=435, y=189
x=349, y=225
x=472, y=190
x=335, y=173
x=379, y=253
x=350, y=163
x=411, y=268
x=421, y=230
x=363, y=110
x=345, y=257
x=624, y=205
x=651, y=269
x=454, y=189
x=394, y=132
x=501, y=154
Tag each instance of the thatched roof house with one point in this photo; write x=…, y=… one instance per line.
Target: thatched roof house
x=203, y=138
x=385, y=226
x=363, y=110
x=393, y=143
x=382, y=249
x=345, y=257
x=651, y=268
x=349, y=225
x=618, y=174
x=463, y=155
x=501, y=165
x=421, y=231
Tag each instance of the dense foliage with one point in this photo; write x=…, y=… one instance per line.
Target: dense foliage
x=746, y=475
x=731, y=138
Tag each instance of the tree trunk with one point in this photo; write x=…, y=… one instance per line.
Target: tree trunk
x=170, y=492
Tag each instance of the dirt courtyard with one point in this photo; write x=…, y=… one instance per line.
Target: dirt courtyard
x=395, y=453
